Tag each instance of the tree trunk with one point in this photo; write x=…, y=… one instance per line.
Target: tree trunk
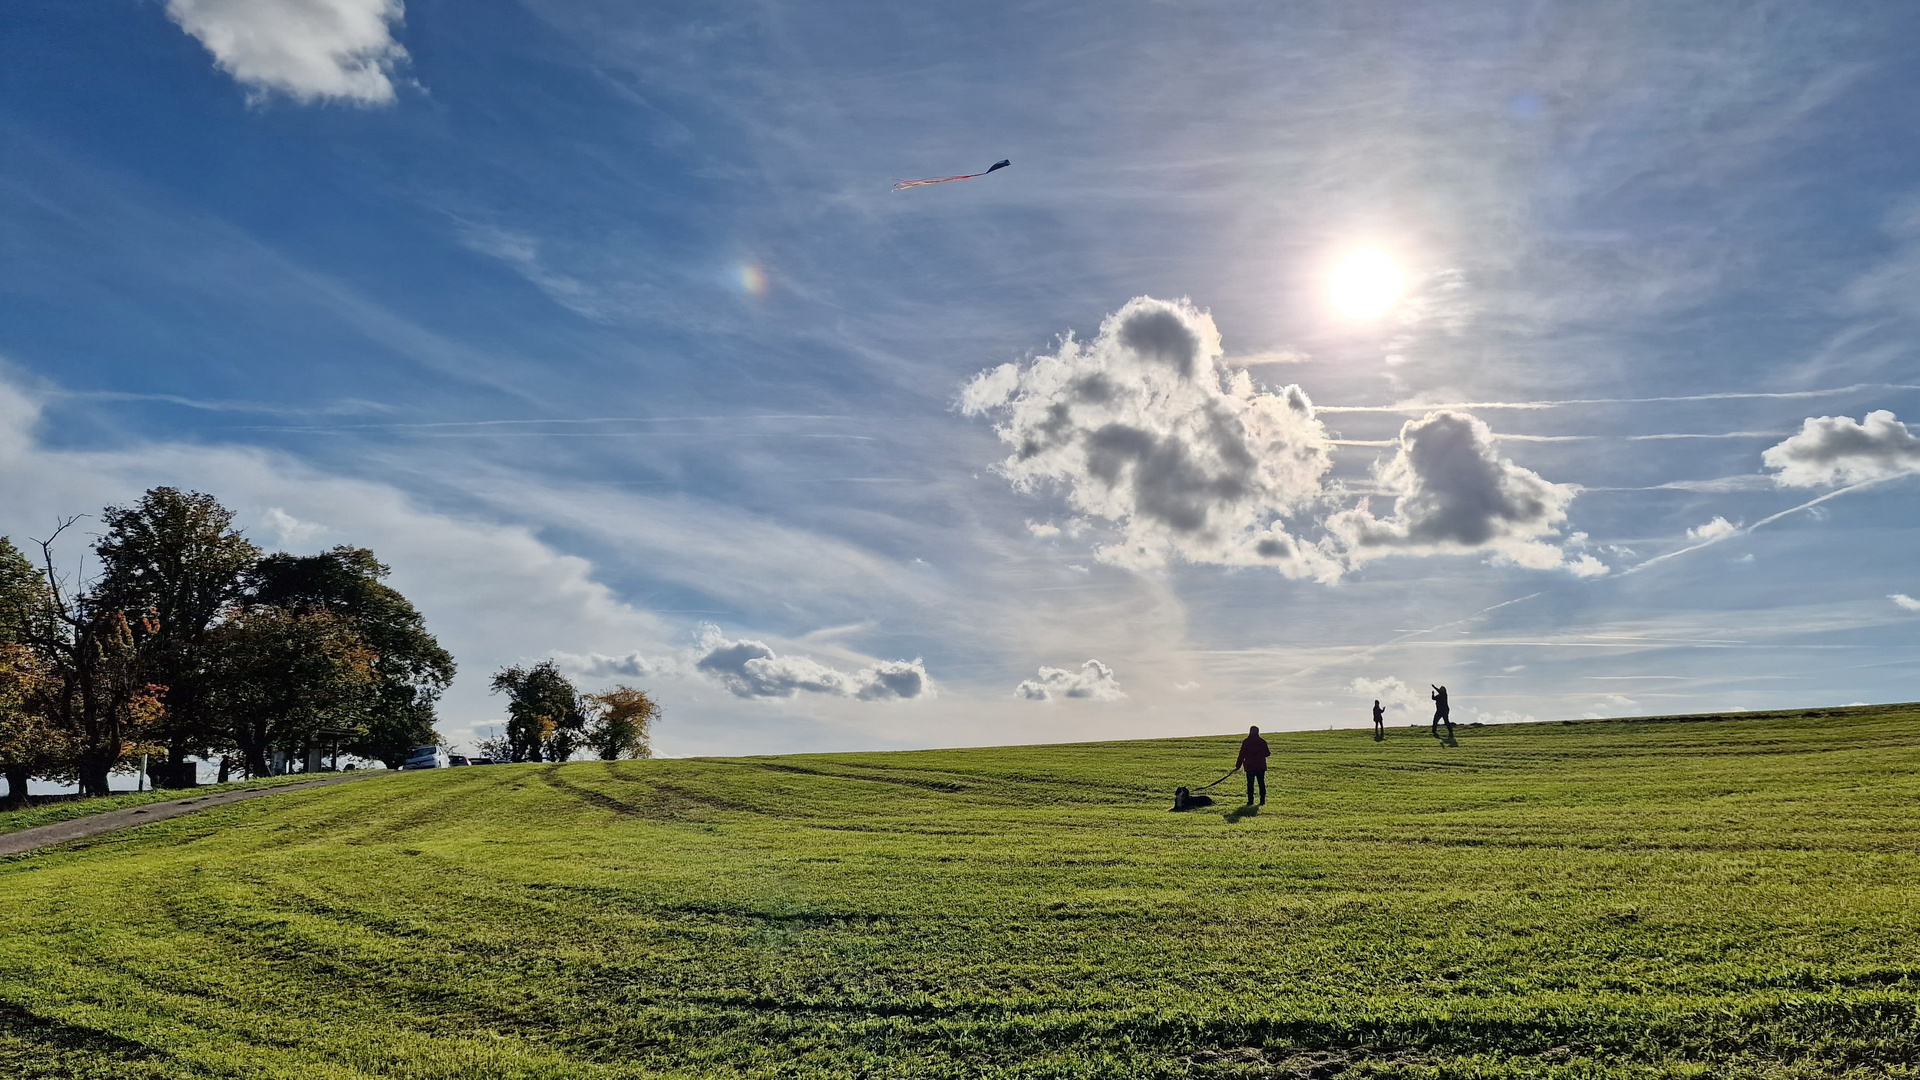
x=176, y=766
x=17, y=777
x=93, y=775
x=256, y=761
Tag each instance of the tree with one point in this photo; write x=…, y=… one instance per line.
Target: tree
x=283, y=678
x=620, y=723
x=173, y=562
x=98, y=697
x=544, y=721
x=494, y=748
x=30, y=743
x=410, y=669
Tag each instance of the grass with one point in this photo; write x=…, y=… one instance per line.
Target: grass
x=47, y=813
x=1646, y=899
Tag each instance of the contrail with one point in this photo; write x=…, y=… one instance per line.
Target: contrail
x=1768, y=520
x=561, y=421
x=1554, y=404
x=1369, y=650
x=1509, y=437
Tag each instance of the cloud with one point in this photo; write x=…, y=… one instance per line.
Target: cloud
x=1838, y=450
x=291, y=530
x=310, y=50
x=1905, y=601
x=1612, y=705
x=1094, y=682
x=1147, y=428
x=1717, y=529
x=1390, y=692
x=751, y=669
x=1504, y=716
x=630, y=666
x=1456, y=494
x=522, y=252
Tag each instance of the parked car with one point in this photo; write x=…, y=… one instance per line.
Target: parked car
x=458, y=759
x=480, y=761
x=427, y=757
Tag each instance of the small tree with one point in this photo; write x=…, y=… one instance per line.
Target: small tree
x=98, y=696
x=620, y=723
x=494, y=747
x=31, y=744
x=544, y=721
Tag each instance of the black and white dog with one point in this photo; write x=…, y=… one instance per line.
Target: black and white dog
x=1187, y=800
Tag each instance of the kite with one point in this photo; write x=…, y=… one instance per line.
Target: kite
x=902, y=185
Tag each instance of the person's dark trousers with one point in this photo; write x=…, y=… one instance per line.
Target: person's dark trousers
x=1261, y=778
x=1441, y=718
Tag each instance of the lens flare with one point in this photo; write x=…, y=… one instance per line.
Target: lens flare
x=753, y=279
x=1365, y=284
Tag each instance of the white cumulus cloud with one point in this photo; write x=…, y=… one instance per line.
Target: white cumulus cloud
x=1839, y=450
x=1611, y=705
x=1455, y=493
x=1717, y=529
x=1388, y=691
x=1094, y=682
x=310, y=50
x=1145, y=427
x=1905, y=601
x=752, y=669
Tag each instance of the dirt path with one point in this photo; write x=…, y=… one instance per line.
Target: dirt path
x=16, y=843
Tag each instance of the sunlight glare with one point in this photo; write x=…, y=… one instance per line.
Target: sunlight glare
x=1365, y=284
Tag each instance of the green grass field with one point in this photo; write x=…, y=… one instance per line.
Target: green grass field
x=1725, y=899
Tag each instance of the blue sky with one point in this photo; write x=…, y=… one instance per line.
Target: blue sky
x=600, y=323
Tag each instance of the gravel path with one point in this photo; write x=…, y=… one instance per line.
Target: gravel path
x=60, y=832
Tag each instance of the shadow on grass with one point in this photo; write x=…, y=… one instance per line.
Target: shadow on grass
x=1241, y=813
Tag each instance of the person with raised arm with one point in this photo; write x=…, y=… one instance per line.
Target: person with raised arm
x=1441, y=712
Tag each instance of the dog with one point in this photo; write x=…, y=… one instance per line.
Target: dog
x=1187, y=800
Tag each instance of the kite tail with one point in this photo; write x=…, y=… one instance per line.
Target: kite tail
x=902, y=185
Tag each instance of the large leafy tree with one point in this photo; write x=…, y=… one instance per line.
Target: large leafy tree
x=173, y=562
x=286, y=679
x=620, y=723
x=409, y=668
x=544, y=719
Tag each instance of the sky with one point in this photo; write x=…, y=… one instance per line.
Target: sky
x=1307, y=353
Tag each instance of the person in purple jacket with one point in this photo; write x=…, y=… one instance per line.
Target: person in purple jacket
x=1253, y=758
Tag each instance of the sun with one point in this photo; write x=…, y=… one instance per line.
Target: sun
x=1365, y=284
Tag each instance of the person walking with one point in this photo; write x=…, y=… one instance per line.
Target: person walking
x=1441, y=711
x=1379, y=722
x=1253, y=758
